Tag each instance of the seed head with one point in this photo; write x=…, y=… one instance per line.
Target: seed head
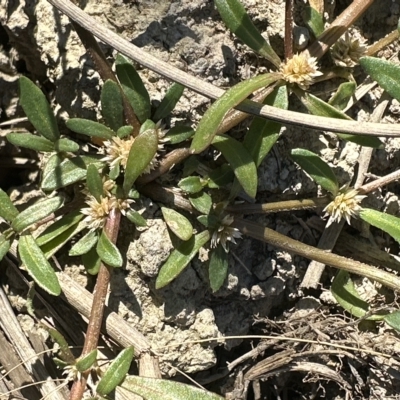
x=300, y=69
x=347, y=51
x=117, y=150
x=344, y=205
x=225, y=233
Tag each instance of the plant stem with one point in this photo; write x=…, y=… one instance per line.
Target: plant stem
x=267, y=235
x=288, y=29
x=111, y=229
x=206, y=89
x=376, y=184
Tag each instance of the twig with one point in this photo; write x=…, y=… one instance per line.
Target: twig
x=211, y=91
x=288, y=29
x=378, y=183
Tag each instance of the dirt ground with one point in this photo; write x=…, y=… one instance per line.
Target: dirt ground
x=261, y=295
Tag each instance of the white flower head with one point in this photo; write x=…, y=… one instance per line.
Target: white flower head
x=347, y=51
x=300, y=69
x=225, y=233
x=346, y=204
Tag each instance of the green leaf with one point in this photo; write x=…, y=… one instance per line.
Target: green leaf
x=36, y=213
x=91, y=261
x=155, y=389
x=94, y=182
x=108, y=251
x=5, y=245
x=263, y=133
x=220, y=177
x=66, y=145
x=37, y=109
x=180, y=258
x=208, y=125
x=241, y=162
x=60, y=226
x=136, y=218
x=218, y=268
x=386, y=222
x=317, y=168
x=342, y=96
x=124, y=131
x=236, y=19
x=84, y=244
x=191, y=184
x=393, y=320
x=112, y=108
x=318, y=107
x=178, y=224
x=29, y=141
x=7, y=209
x=116, y=372
x=142, y=152
x=52, y=163
x=70, y=171
x=64, y=351
x=313, y=19
x=179, y=134
x=90, y=128
x=133, y=88
x=202, y=202
x=346, y=295
x=37, y=265
x=85, y=362
x=115, y=170
x=385, y=73
x=169, y=101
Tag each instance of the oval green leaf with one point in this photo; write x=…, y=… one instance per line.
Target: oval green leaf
x=241, y=162
x=142, y=152
x=7, y=209
x=178, y=224
x=66, y=145
x=37, y=265
x=263, y=133
x=136, y=218
x=318, y=107
x=385, y=73
x=84, y=244
x=393, y=320
x=133, y=87
x=180, y=258
x=314, y=21
x=60, y=226
x=108, y=251
x=346, y=295
x=191, y=184
x=218, y=268
x=202, y=202
x=156, y=389
x=37, y=109
x=317, y=168
x=29, y=141
x=90, y=128
x=5, y=245
x=124, y=131
x=116, y=372
x=208, y=125
x=70, y=171
x=179, y=134
x=342, y=96
x=94, y=182
x=236, y=19
x=386, y=222
x=169, y=102
x=112, y=108
x=91, y=261
x=85, y=362
x=220, y=177
x=36, y=213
